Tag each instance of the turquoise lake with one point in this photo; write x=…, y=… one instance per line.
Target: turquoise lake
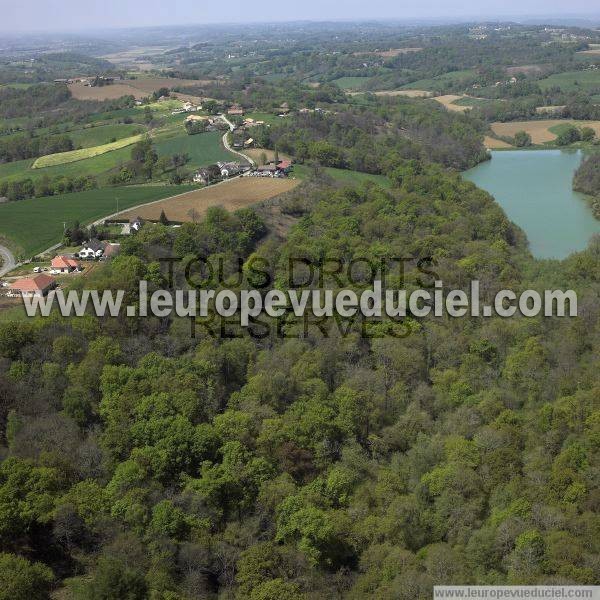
x=534, y=189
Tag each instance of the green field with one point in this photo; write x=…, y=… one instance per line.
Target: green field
x=36, y=224
x=475, y=102
x=61, y=158
x=351, y=83
x=89, y=137
x=18, y=86
x=203, y=148
x=268, y=118
x=16, y=169
x=571, y=81
x=343, y=175
x=440, y=83
x=91, y=166
x=120, y=114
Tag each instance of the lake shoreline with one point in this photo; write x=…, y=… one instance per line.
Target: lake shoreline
x=534, y=188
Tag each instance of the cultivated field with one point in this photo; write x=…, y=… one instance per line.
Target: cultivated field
x=493, y=144
x=231, y=195
x=33, y=225
x=540, y=131
x=448, y=102
x=61, y=158
x=135, y=57
x=256, y=153
x=139, y=88
x=153, y=84
x=106, y=92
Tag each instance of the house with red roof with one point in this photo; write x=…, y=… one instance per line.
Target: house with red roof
x=39, y=286
x=64, y=264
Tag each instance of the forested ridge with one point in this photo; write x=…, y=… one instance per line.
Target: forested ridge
x=587, y=180
x=374, y=136
x=143, y=463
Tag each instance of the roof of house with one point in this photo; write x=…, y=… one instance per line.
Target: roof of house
x=111, y=249
x=64, y=262
x=94, y=244
x=39, y=283
x=284, y=164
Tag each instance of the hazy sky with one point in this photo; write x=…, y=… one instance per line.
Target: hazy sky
x=26, y=15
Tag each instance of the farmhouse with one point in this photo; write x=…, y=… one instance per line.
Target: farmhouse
x=273, y=169
x=229, y=169
x=202, y=176
x=235, y=109
x=37, y=286
x=64, y=264
x=92, y=249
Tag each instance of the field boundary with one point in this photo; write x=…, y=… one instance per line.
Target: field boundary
x=51, y=160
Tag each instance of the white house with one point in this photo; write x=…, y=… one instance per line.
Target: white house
x=135, y=224
x=92, y=250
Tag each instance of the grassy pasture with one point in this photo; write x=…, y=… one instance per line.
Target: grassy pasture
x=88, y=137
x=33, y=225
x=203, y=148
x=351, y=83
x=343, y=175
x=572, y=81
x=268, y=118
x=61, y=158
x=96, y=166
x=440, y=83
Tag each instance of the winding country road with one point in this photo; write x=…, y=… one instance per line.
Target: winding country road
x=228, y=147
x=8, y=260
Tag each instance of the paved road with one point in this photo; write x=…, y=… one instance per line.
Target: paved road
x=228, y=147
x=8, y=260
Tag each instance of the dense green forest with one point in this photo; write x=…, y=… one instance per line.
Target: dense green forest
x=372, y=137
x=159, y=465
x=165, y=459
x=587, y=180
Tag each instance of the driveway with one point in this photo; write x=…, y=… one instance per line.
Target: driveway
x=8, y=260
